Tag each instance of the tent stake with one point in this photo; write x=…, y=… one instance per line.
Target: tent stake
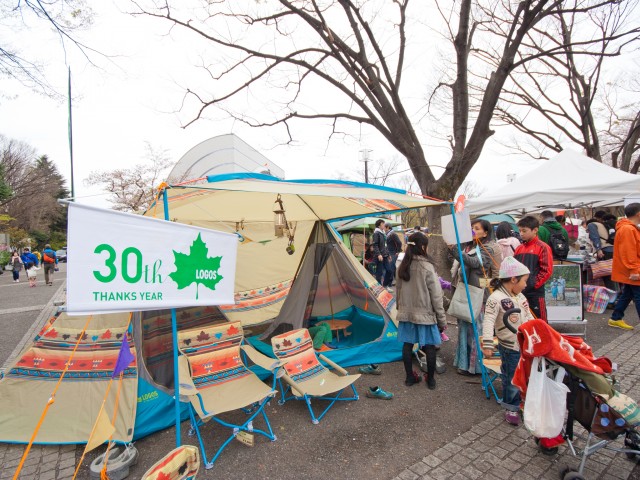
x=174, y=334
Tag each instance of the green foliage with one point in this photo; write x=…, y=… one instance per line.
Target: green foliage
x=57, y=240
x=197, y=267
x=19, y=237
x=39, y=238
x=5, y=188
x=5, y=256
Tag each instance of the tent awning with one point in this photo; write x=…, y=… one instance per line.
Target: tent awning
x=250, y=198
x=568, y=180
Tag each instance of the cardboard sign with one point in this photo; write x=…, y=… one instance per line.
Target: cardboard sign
x=245, y=438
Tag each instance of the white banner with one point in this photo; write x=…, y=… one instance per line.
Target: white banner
x=121, y=262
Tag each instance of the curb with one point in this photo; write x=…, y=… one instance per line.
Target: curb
x=46, y=313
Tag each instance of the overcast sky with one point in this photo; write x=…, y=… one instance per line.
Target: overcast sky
x=132, y=98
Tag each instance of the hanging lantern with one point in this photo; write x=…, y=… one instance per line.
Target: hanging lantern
x=279, y=219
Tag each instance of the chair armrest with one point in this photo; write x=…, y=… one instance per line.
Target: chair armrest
x=294, y=386
x=333, y=365
x=261, y=360
x=187, y=388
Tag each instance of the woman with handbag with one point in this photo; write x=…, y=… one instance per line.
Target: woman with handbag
x=481, y=260
x=421, y=317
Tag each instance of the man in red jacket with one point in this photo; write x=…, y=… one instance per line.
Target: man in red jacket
x=626, y=264
x=537, y=257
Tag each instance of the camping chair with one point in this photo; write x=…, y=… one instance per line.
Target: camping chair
x=214, y=379
x=181, y=463
x=305, y=376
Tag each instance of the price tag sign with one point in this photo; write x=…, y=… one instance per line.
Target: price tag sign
x=245, y=438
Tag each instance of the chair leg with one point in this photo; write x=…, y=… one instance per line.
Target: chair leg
x=314, y=420
x=195, y=426
x=247, y=426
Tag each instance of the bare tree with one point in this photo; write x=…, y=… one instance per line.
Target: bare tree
x=471, y=189
x=621, y=135
x=552, y=94
x=64, y=17
x=357, y=50
x=133, y=189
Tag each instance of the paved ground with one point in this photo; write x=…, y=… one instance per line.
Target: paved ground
x=450, y=433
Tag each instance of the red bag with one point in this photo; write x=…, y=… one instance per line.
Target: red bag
x=48, y=259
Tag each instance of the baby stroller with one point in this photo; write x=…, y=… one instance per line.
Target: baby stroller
x=592, y=401
x=604, y=426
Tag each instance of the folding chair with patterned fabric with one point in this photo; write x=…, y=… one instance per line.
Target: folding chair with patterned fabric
x=215, y=380
x=306, y=377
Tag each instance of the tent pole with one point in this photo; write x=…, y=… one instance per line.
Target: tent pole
x=329, y=288
x=485, y=379
x=174, y=334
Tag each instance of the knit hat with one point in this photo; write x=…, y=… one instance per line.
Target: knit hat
x=510, y=267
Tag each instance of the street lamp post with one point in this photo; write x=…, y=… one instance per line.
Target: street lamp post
x=365, y=158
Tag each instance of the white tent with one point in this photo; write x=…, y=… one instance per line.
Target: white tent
x=568, y=180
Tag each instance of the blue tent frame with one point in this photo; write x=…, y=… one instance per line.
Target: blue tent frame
x=487, y=385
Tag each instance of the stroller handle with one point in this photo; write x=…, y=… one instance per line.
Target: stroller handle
x=505, y=319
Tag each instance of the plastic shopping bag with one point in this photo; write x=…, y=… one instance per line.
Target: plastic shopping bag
x=546, y=400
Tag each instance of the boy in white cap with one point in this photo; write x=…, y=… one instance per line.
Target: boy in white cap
x=512, y=279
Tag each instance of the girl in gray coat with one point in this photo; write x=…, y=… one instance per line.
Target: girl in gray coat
x=420, y=314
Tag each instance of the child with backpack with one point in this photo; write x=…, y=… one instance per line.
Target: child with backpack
x=554, y=235
x=507, y=297
x=538, y=258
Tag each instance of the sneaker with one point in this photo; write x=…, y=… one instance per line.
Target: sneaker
x=620, y=324
x=412, y=379
x=512, y=418
x=377, y=392
x=370, y=370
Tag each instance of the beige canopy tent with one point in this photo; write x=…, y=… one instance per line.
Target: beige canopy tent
x=244, y=203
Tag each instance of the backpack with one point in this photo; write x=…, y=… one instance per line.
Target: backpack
x=559, y=246
x=611, y=235
x=47, y=259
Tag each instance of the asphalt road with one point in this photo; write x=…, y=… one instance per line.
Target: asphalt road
x=20, y=305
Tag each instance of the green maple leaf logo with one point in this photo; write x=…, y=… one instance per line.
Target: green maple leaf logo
x=197, y=267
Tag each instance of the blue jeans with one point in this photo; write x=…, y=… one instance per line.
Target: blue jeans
x=510, y=393
x=629, y=292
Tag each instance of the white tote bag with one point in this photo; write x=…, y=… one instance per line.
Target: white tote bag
x=546, y=401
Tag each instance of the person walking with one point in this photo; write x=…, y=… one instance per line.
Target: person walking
x=380, y=251
x=626, y=265
x=16, y=264
x=50, y=263
x=28, y=258
x=32, y=274
x=602, y=242
x=420, y=316
x=394, y=247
